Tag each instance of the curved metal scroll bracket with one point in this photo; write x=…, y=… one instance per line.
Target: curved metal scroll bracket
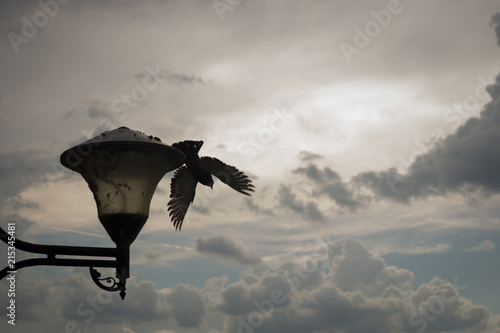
x=116, y=285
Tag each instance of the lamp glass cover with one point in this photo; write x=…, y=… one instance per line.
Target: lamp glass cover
x=122, y=168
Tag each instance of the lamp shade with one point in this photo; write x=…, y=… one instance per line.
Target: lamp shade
x=122, y=168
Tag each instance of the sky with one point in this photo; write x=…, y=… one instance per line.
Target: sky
x=370, y=130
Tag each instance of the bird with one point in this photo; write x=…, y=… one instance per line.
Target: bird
x=196, y=170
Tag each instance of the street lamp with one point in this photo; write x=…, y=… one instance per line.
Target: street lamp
x=122, y=168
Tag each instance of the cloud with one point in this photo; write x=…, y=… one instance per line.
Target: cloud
x=187, y=306
x=181, y=78
x=78, y=299
x=289, y=200
x=17, y=202
x=22, y=169
x=360, y=293
x=466, y=161
x=239, y=298
x=355, y=268
x=494, y=88
x=153, y=257
x=291, y=44
x=201, y=209
x=438, y=248
x=308, y=157
x=178, y=79
x=495, y=20
x=256, y=208
x=93, y=109
x=342, y=287
x=323, y=182
x=329, y=183
x=225, y=249
x=96, y=112
x=483, y=247
x=23, y=229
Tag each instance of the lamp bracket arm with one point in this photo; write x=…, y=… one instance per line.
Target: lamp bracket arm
x=120, y=254
x=53, y=250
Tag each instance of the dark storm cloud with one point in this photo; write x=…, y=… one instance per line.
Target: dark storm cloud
x=328, y=182
x=313, y=212
x=181, y=78
x=308, y=157
x=465, y=161
x=289, y=200
x=495, y=20
x=178, y=79
x=224, y=248
x=313, y=173
x=494, y=89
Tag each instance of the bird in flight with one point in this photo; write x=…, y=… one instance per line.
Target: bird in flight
x=196, y=170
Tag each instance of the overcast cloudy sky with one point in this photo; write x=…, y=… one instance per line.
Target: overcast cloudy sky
x=371, y=130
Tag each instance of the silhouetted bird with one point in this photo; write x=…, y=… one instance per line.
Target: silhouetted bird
x=200, y=170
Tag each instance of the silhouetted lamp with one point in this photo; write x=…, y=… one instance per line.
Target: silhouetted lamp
x=122, y=168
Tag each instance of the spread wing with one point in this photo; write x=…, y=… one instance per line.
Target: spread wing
x=228, y=174
x=182, y=190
